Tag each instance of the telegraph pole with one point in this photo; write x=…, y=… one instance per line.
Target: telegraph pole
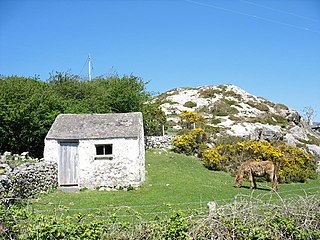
x=89, y=67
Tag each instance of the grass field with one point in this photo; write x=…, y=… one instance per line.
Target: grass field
x=171, y=179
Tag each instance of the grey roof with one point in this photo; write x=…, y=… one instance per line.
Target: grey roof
x=96, y=126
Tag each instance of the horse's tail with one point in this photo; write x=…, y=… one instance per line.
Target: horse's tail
x=275, y=177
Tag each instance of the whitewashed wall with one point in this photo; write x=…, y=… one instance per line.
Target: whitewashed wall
x=126, y=168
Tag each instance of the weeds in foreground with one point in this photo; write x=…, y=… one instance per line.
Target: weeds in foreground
x=245, y=218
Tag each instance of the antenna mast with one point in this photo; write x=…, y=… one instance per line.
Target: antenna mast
x=89, y=67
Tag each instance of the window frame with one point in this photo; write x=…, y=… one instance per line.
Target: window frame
x=107, y=151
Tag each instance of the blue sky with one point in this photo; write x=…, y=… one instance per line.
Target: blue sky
x=269, y=48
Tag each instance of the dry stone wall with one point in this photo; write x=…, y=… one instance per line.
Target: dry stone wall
x=163, y=142
x=27, y=179
x=21, y=179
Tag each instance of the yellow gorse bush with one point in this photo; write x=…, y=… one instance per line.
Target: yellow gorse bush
x=188, y=118
x=191, y=142
x=212, y=158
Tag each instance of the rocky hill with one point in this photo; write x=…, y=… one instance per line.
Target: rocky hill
x=230, y=110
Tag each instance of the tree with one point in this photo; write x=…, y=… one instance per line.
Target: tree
x=102, y=94
x=28, y=108
x=154, y=119
x=309, y=114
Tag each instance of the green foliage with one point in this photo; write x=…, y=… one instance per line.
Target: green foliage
x=271, y=119
x=312, y=140
x=294, y=164
x=190, y=104
x=27, y=109
x=126, y=94
x=280, y=107
x=215, y=121
x=209, y=93
x=153, y=118
x=224, y=107
x=244, y=218
x=234, y=95
x=176, y=227
x=28, y=106
x=260, y=106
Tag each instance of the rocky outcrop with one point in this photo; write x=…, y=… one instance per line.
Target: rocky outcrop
x=267, y=134
x=230, y=110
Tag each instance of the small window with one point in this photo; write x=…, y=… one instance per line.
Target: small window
x=104, y=149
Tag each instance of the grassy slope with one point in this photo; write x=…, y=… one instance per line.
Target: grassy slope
x=171, y=178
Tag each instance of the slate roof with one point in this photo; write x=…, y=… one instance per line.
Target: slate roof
x=96, y=126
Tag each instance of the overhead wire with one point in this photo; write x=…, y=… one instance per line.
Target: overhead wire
x=86, y=62
x=279, y=10
x=252, y=16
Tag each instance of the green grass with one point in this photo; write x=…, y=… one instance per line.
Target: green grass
x=170, y=179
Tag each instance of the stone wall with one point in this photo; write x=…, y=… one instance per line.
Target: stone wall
x=27, y=179
x=159, y=142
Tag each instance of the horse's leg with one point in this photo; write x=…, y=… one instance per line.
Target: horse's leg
x=239, y=179
x=254, y=182
x=271, y=177
x=274, y=182
x=251, y=179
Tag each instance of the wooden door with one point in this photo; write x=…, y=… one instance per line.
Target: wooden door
x=68, y=164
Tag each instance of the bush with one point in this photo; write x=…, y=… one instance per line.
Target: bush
x=224, y=107
x=271, y=119
x=189, y=119
x=294, y=218
x=260, y=106
x=212, y=158
x=190, y=104
x=215, y=121
x=210, y=93
x=190, y=143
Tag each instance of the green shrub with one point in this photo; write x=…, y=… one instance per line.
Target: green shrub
x=190, y=104
x=281, y=107
x=222, y=87
x=271, y=119
x=215, y=121
x=235, y=118
x=223, y=107
x=260, y=106
x=209, y=93
x=176, y=227
x=234, y=95
x=229, y=101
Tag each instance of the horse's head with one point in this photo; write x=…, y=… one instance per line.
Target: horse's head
x=239, y=180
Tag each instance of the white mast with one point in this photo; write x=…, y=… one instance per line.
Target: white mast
x=89, y=67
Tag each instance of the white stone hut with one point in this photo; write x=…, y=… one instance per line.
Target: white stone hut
x=97, y=150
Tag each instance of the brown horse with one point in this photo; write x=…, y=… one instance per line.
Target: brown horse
x=258, y=169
